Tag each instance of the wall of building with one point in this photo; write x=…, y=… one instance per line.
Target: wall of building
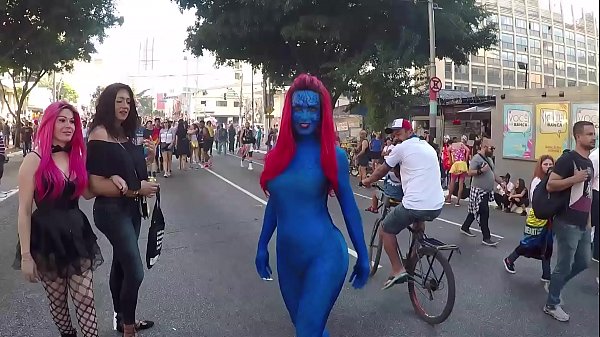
x=520, y=168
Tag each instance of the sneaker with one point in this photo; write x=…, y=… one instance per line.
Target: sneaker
x=250, y=167
x=242, y=163
x=489, y=242
x=557, y=313
x=509, y=266
x=545, y=280
x=467, y=232
x=595, y=259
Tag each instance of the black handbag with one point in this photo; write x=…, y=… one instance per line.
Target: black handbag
x=155, y=234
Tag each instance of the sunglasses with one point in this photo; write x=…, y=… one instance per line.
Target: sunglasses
x=492, y=148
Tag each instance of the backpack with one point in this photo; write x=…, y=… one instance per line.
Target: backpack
x=546, y=205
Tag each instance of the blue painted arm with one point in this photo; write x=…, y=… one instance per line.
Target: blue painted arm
x=262, y=252
x=345, y=196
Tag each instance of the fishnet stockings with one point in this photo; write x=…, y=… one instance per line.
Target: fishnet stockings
x=81, y=289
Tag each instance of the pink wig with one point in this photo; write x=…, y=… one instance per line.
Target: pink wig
x=49, y=180
x=282, y=154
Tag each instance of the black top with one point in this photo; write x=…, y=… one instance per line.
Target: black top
x=126, y=160
x=580, y=195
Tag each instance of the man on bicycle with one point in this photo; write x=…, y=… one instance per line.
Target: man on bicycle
x=423, y=195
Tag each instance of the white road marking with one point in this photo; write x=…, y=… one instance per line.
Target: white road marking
x=262, y=201
x=440, y=219
x=7, y=194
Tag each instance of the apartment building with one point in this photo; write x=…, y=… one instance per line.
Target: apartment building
x=541, y=44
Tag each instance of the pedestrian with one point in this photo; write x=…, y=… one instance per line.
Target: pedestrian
x=312, y=255
x=2, y=160
x=57, y=244
x=231, y=138
x=222, y=140
x=595, y=204
x=6, y=134
x=459, y=155
x=259, y=137
x=572, y=175
x=537, y=240
x=247, y=139
x=118, y=210
x=167, y=143
x=481, y=194
x=209, y=141
x=26, y=138
x=182, y=144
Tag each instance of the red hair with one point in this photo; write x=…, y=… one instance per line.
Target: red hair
x=281, y=155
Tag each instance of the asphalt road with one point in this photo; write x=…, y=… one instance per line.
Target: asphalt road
x=205, y=282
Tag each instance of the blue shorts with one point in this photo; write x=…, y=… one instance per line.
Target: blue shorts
x=394, y=192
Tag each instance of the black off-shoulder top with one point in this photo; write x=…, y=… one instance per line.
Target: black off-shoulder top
x=126, y=160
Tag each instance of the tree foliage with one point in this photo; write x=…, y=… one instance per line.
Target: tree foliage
x=41, y=36
x=67, y=92
x=335, y=39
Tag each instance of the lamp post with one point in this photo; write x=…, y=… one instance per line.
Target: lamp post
x=524, y=66
x=432, y=96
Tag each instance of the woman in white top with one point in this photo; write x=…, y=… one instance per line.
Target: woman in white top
x=387, y=148
x=167, y=141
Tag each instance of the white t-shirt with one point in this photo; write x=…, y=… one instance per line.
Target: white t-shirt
x=534, y=182
x=386, y=149
x=510, y=187
x=594, y=159
x=420, y=174
x=166, y=136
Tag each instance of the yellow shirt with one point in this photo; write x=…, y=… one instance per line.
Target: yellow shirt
x=211, y=131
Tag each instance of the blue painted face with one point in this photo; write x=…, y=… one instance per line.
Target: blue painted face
x=306, y=112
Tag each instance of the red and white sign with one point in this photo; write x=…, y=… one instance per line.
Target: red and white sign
x=435, y=84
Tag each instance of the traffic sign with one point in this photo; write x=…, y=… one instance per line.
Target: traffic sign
x=435, y=84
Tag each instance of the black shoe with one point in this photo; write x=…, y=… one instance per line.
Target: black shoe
x=139, y=325
x=509, y=266
x=467, y=232
x=68, y=335
x=489, y=242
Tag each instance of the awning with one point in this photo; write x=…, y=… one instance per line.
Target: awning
x=477, y=109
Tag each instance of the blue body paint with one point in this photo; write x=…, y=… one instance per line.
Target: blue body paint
x=312, y=255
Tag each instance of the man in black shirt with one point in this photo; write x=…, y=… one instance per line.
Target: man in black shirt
x=572, y=176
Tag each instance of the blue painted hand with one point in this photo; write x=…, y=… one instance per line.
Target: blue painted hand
x=262, y=264
x=360, y=274
x=306, y=112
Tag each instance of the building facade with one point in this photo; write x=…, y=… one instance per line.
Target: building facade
x=541, y=44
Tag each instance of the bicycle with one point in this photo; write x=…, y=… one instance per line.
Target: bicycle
x=422, y=275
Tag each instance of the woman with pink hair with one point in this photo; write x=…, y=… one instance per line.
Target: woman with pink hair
x=312, y=254
x=57, y=244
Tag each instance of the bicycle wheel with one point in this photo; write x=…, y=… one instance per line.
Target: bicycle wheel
x=430, y=280
x=375, y=247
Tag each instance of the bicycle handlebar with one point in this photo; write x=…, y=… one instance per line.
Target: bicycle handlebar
x=372, y=185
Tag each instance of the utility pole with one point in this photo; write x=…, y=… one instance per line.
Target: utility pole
x=252, y=96
x=54, y=87
x=241, y=94
x=432, y=95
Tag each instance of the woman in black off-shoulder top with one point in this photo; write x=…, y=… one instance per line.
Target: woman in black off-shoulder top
x=117, y=211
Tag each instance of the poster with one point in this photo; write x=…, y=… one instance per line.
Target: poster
x=517, y=139
x=584, y=112
x=552, y=129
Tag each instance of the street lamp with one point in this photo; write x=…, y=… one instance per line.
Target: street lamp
x=432, y=98
x=524, y=66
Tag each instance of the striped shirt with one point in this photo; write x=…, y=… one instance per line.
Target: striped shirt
x=2, y=147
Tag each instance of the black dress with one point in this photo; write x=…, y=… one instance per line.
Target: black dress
x=62, y=241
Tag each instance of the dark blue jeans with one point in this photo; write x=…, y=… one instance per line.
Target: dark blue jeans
x=120, y=220
x=572, y=256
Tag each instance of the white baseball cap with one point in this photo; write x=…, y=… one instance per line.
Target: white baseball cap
x=398, y=124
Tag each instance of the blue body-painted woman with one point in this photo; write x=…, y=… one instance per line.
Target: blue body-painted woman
x=312, y=255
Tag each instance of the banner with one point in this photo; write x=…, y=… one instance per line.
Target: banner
x=552, y=129
x=518, y=131
x=584, y=112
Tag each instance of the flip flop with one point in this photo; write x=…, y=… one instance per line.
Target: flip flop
x=372, y=210
x=395, y=279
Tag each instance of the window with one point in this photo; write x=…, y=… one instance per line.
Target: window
x=592, y=76
x=548, y=49
x=477, y=74
x=492, y=19
x=508, y=76
x=506, y=23
x=536, y=80
x=535, y=64
x=581, y=56
x=592, y=59
x=521, y=79
x=559, y=52
x=571, y=83
x=508, y=59
x=478, y=58
x=571, y=56
x=582, y=74
x=448, y=85
x=221, y=103
x=561, y=82
x=461, y=87
x=546, y=32
x=535, y=46
x=521, y=44
x=591, y=44
x=461, y=73
x=580, y=41
x=523, y=59
x=560, y=68
x=559, y=35
x=478, y=91
x=493, y=75
x=571, y=71
x=493, y=57
x=548, y=66
x=521, y=26
x=493, y=91
x=238, y=76
x=570, y=38
x=202, y=102
x=548, y=81
x=534, y=29
x=507, y=41
x=448, y=70
x=236, y=104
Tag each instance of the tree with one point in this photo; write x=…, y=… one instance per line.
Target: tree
x=68, y=93
x=334, y=39
x=95, y=95
x=39, y=36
